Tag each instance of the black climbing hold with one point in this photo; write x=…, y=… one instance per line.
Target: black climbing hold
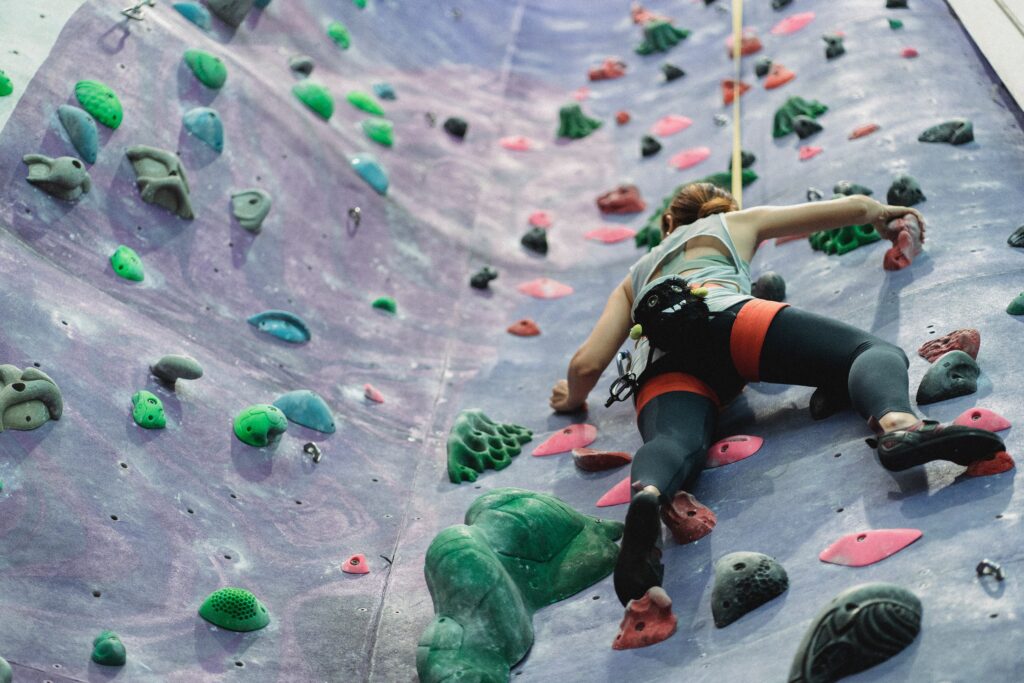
x=453, y=125
x=896, y=4
x=861, y=627
x=301, y=64
x=1017, y=238
x=747, y=159
x=536, y=240
x=952, y=374
x=769, y=286
x=671, y=71
x=762, y=66
x=833, y=46
x=649, y=146
x=805, y=126
x=850, y=188
x=904, y=191
x=743, y=582
x=779, y=4
x=814, y=194
x=481, y=278
x=955, y=132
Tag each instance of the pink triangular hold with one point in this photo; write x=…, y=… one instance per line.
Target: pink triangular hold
x=860, y=549
x=620, y=494
x=517, y=143
x=997, y=465
x=809, y=152
x=909, y=53
x=689, y=157
x=610, y=234
x=573, y=436
x=793, y=23
x=671, y=124
x=356, y=565
x=647, y=621
x=581, y=93
x=733, y=449
x=372, y=394
x=544, y=288
x=540, y=219
x=982, y=418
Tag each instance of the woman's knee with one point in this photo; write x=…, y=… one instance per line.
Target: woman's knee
x=877, y=347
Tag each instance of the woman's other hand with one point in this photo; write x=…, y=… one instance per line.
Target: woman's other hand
x=560, y=398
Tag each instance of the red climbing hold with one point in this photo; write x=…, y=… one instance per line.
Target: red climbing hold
x=906, y=245
x=749, y=43
x=860, y=549
x=792, y=24
x=622, y=118
x=580, y=94
x=517, y=143
x=647, y=621
x=687, y=518
x=733, y=449
x=524, y=328
x=671, y=124
x=540, y=219
x=610, y=234
x=642, y=16
x=573, y=436
x=590, y=460
x=609, y=69
x=356, y=565
x=729, y=90
x=997, y=465
x=619, y=494
x=372, y=394
x=982, y=418
x=778, y=76
x=863, y=131
x=967, y=340
x=623, y=199
x=909, y=53
x=544, y=288
x=689, y=157
x=809, y=152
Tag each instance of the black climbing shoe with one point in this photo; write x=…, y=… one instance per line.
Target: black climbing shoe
x=928, y=440
x=639, y=565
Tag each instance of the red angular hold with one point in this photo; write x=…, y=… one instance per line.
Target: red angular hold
x=671, y=124
x=622, y=117
x=623, y=199
x=544, y=288
x=997, y=465
x=573, y=436
x=863, y=131
x=862, y=548
x=982, y=418
x=729, y=88
x=356, y=565
x=687, y=518
x=733, y=449
x=647, y=621
x=966, y=339
x=809, y=152
x=590, y=460
x=609, y=69
x=620, y=494
x=689, y=157
x=540, y=219
x=371, y=393
x=778, y=76
x=749, y=43
x=909, y=53
x=610, y=234
x=524, y=328
x=792, y=24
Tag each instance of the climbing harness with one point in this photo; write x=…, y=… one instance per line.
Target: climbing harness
x=989, y=567
x=313, y=450
x=626, y=385
x=135, y=11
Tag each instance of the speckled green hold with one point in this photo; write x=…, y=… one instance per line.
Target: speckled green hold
x=234, y=609
x=100, y=101
x=127, y=264
x=108, y=650
x=379, y=130
x=208, y=68
x=385, y=303
x=895, y=24
x=315, y=96
x=6, y=87
x=339, y=34
x=147, y=410
x=1016, y=306
x=364, y=101
x=260, y=424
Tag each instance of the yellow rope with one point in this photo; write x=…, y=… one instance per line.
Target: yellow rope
x=737, y=39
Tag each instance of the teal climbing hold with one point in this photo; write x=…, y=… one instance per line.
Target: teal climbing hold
x=384, y=90
x=100, y=101
x=6, y=675
x=127, y=264
x=281, y=324
x=306, y=408
x=339, y=34
x=895, y=24
x=1016, y=306
x=261, y=4
x=361, y=4
x=379, y=130
x=259, y=425
x=81, y=130
x=108, y=650
x=208, y=68
x=364, y=101
x=204, y=124
x=194, y=12
x=148, y=410
x=573, y=123
x=315, y=96
x=234, y=609
x=385, y=303
x=370, y=170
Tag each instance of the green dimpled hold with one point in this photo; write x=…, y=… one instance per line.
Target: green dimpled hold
x=364, y=101
x=127, y=264
x=100, y=101
x=380, y=131
x=339, y=34
x=476, y=442
x=316, y=97
x=234, y=609
x=260, y=424
x=208, y=68
x=148, y=411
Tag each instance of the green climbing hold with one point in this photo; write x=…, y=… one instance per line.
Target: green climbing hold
x=148, y=410
x=315, y=96
x=260, y=424
x=1016, y=306
x=364, y=101
x=476, y=442
x=6, y=87
x=660, y=36
x=843, y=240
x=108, y=650
x=234, y=609
x=100, y=101
x=208, y=68
x=795, y=106
x=379, y=130
x=127, y=264
x=385, y=303
x=361, y=4
x=573, y=123
x=895, y=24
x=724, y=179
x=339, y=34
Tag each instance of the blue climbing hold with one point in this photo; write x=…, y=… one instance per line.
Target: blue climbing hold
x=204, y=123
x=194, y=12
x=306, y=408
x=283, y=325
x=82, y=131
x=370, y=170
x=384, y=91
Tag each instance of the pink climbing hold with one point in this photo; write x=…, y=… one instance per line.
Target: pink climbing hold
x=792, y=24
x=687, y=518
x=573, y=436
x=689, y=157
x=905, y=245
x=540, y=219
x=997, y=465
x=863, y=131
x=671, y=124
x=524, y=328
x=909, y=53
x=860, y=549
x=967, y=340
x=620, y=494
x=581, y=93
x=623, y=199
x=809, y=152
x=610, y=234
x=356, y=565
x=372, y=394
x=982, y=418
x=590, y=460
x=647, y=621
x=517, y=143
x=733, y=449
x=544, y=288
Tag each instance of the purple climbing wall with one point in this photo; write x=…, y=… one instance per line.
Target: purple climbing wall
x=197, y=510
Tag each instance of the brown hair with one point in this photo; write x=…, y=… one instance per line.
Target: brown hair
x=696, y=201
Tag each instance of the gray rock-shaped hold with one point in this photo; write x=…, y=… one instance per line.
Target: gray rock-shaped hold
x=1016, y=238
x=64, y=177
x=848, y=188
x=161, y=179
x=231, y=12
x=204, y=123
x=306, y=408
x=904, y=191
x=28, y=398
x=955, y=132
x=805, y=126
x=172, y=367
x=743, y=582
x=952, y=374
x=861, y=627
x=81, y=130
x=250, y=207
x=301, y=64
x=769, y=286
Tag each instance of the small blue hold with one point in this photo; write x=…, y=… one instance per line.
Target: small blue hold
x=370, y=170
x=283, y=325
x=204, y=123
x=384, y=91
x=194, y=12
x=306, y=408
x=81, y=129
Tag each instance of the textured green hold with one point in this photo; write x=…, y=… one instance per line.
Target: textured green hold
x=260, y=424
x=234, y=609
x=148, y=410
x=364, y=101
x=795, y=106
x=660, y=36
x=724, y=179
x=843, y=240
x=315, y=96
x=108, y=650
x=476, y=442
x=895, y=24
x=518, y=551
x=208, y=68
x=100, y=101
x=379, y=130
x=339, y=34
x=1016, y=306
x=385, y=303
x=6, y=88
x=127, y=264
x=573, y=123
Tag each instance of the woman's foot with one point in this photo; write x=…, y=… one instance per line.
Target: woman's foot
x=927, y=440
x=639, y=565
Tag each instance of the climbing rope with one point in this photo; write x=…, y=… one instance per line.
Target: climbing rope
x=737, y=48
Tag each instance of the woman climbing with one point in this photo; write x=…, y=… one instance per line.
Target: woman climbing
x=701, y=336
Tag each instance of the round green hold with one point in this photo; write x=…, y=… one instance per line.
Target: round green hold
x=127, y=264
x=260, y=424
x=1016, y=306
x=380, y=130
x=108, y=650
x=364, y=101
x=339, y=34
x=385, y=303
x=6, y=87
x=361, y=4
x=234, y=609
x=208, y=68
x=315, y=96
x=100, y=101
x=148, y=410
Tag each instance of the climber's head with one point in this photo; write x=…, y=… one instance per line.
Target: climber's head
x=693, y=202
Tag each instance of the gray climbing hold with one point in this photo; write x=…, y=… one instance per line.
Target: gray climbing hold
x=204, y=123
x=482, y=278
x=779, y=4
x=649, y=146
x=1016, y=238
x=805, y=126
x=955, y=132
x=536, y=240
x=171, y=368
x=231, y=12
x=952, y=374
x=769, y=286
x=743, y=582
x=28, y=398
x=64, y=177
x=848, y=188
x=250, y=208
x=161, y=179
x=306, y=408
x=762, y=66
x=904, y=191
x=747, y=159
x=301, y=64
x=81, y=130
